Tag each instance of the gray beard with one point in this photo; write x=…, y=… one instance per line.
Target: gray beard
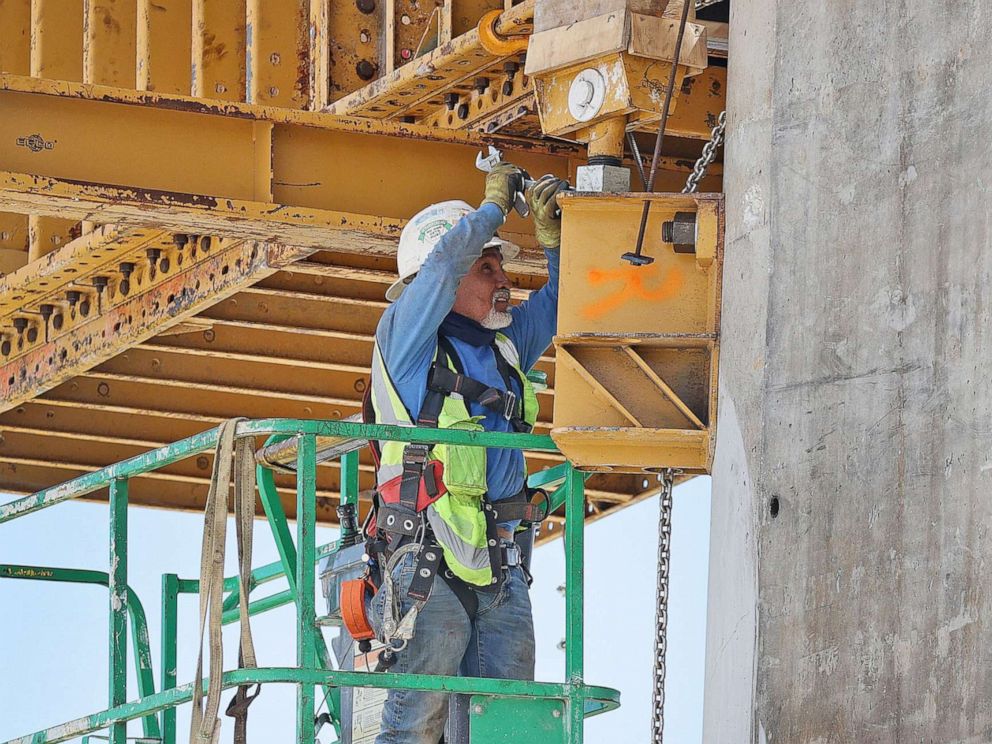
x=495, y=321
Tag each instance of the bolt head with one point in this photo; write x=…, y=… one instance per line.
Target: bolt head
x=365, y=70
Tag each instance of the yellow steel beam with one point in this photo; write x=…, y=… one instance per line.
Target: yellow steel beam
x=417, y=89
x=278, y=53
x=13, y=240
x=109, y=39
x=73, y=265
x=57, y=39
x=461, y=85
x=15, y=38
x=350, y=52
x=41, y=362
x=164, y=45
x=205, y=167
x=56, y=52
x=219, y=69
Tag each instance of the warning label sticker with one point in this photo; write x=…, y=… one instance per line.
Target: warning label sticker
x=366, y=714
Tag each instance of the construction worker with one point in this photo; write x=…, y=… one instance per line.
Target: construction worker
x=451, y=351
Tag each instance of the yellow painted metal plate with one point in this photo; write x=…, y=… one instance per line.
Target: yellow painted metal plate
x=637, y=346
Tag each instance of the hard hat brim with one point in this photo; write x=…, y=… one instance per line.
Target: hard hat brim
x=508, y=250
x=395, y=290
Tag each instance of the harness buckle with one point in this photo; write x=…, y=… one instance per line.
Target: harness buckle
x=511, y=554
x=416, y=454
x=510, y=405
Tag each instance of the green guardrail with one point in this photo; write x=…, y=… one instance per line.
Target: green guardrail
x=501, y=710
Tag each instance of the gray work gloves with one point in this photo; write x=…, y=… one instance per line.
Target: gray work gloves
x=544, y=207
x=502, y=184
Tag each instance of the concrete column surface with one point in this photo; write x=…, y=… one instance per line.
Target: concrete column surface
x=850, y=594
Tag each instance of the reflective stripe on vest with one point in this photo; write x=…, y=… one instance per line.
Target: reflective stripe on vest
x=457, y=518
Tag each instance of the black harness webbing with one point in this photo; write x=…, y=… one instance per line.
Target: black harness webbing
x=403, y=523
x=442, y=382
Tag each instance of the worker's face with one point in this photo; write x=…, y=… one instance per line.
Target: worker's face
x=484, y=293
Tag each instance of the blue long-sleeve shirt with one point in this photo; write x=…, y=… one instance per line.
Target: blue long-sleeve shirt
x=407, y=334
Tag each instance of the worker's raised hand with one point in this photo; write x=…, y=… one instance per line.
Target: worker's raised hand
x=544, y=207
x=502, y=184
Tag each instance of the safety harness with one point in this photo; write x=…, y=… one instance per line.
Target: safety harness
x=397, y=525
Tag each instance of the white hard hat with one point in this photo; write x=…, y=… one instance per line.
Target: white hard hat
x=423, y=232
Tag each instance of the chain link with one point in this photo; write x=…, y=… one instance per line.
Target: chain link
x=661, y=607
x=709, y=153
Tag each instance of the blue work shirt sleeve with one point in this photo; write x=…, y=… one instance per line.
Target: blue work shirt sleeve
x=535, y=321
x=407, y=331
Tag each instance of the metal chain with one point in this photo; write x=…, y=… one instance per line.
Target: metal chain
x=709, y=152
x=661, y=607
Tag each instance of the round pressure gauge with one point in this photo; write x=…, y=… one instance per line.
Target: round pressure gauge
x=586, y=94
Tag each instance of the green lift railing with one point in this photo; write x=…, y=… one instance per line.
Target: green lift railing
x=501, y=710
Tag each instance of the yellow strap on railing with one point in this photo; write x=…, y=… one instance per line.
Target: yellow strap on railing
x=205, y=724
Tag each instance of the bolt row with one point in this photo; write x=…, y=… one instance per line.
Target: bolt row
x=78, y=304
x=454, y=102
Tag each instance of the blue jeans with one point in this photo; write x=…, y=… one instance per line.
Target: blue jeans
x=499, y=644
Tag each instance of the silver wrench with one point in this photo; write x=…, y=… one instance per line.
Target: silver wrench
x=486, y=162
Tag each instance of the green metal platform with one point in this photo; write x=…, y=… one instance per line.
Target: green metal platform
x=515, y=711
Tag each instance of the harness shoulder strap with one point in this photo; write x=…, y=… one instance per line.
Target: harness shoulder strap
x=508, y=372
x=443, y=382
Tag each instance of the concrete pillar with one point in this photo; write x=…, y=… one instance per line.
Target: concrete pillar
x=850, y=593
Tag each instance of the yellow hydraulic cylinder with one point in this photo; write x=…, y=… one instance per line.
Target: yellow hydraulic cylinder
x=637, y=346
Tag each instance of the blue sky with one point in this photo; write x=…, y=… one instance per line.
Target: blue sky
x=53, y=636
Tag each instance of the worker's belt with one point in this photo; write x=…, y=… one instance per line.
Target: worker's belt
x=520, y=507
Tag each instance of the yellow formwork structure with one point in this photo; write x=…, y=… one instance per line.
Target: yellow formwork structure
x=637, y=346
x=200, y=202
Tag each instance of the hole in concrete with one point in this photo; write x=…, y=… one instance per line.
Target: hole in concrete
x=773, y=507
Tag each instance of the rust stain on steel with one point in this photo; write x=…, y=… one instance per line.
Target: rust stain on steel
x=313, y=228
x=187, y=291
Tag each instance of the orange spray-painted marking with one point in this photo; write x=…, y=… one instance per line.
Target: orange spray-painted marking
x=632, y=287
